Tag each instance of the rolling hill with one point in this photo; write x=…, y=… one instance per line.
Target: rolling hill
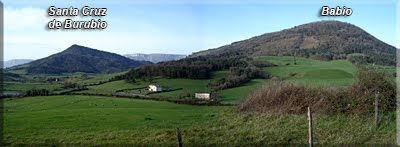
x=323, y=40
x=326, y=40
x=80, y=59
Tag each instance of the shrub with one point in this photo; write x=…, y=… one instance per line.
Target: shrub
x=358, y=58
x=284, y=97
x=37, y=92
x=370, y=82
x=238, y=76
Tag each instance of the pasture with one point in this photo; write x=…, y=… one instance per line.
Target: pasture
x=55, y=120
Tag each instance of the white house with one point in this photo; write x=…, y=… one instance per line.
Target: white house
x=205, y=96
x=155, y=87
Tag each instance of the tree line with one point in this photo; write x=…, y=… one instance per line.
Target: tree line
x=191, y=68
x=237, y=77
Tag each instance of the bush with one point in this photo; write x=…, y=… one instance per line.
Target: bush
x=284, y=97
x=37, y=92
x=370, y=82
x=238, y=76
x=261, y=64
x=358, y=58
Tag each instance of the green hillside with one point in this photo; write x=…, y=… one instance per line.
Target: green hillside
x=78, y=119
x=313, y=72
x=262, y=88
x=305, y=71
x=78, y=58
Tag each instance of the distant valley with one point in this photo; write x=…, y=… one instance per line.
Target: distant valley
x=155, y=58
x=15, y=62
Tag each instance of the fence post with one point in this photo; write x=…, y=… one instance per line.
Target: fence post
x=310, y=129
x=376, y=110
x=179, y=136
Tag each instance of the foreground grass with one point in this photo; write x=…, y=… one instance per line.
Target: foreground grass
x=107, y=120
x=84, y=119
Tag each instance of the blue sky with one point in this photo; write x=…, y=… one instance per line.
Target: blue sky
x=178, y=26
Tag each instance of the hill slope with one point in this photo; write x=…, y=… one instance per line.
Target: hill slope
x=328, y=40
x=82, y=59
x=155, y=58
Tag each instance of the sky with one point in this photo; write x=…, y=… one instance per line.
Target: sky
x=178, y=26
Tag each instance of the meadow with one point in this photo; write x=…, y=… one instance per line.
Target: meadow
x=310, y=71
x=55, y=120
x=78, y=119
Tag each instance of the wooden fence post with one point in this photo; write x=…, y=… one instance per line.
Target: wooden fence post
x=376, y=110
x=179, y=136
x=310, y=130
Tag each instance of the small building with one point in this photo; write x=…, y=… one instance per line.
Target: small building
x=155, y=88
x=205, y=96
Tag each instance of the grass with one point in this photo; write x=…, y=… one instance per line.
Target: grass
x=110, y=120
x=234, y=95
x=306, y=71
x=111, y=87
x=185, y=86
x=220, y=74
x=21, y=69
x=107, y=120
x=22, y=87
x=312, y=72
x=97, y=78
x=84, y=119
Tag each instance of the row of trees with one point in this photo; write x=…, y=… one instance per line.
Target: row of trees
x=237, y=77
x=37, y=92
x=191, y=68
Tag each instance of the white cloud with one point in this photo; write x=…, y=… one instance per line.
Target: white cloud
x=24, y=18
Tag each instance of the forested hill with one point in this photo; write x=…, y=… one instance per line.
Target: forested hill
x=81, y=59
x=326, y=40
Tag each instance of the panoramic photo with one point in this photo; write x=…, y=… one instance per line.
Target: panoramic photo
x=199, y=73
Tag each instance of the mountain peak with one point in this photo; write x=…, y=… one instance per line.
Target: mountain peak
x=76, y=47
x=77, y=58
x=326, y=40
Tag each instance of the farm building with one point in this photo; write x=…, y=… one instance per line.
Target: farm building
x=155, y=87
x=205, y=96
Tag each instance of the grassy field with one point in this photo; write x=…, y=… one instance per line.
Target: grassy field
x=183, y=85
x=312, y=72
x=111, y=87
x=186, y=86
x=95, y=78
x=84, y=119
x=305, y=71
x=108, y=120
x=234, y=95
